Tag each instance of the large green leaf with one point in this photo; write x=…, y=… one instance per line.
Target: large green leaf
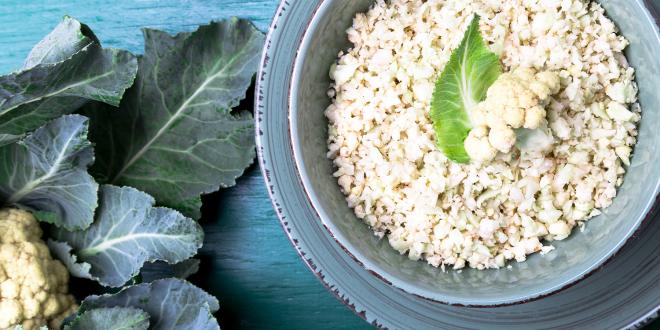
x=63, y=72
x=172, y=304
x=113, y=318
x=6, y=139
x=64, y=252
x=471, y=70
x=175, y=135
x=46, y=172
x=68, y=38
x=128, y=231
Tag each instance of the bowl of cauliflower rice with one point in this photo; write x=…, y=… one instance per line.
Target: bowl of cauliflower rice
x=479, y=152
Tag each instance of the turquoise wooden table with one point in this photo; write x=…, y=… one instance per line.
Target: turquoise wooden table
x=247, y=261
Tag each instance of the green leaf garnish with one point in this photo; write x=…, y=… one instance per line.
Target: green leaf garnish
x=471, y=70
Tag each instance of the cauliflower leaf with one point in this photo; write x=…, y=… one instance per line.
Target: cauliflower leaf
x=111, y=318
x=46, y=172
x=127, y=232
x=471, y=70
x=6, y=139
x=63, y=71
x=172, y=304
x=64, y=252
x=67, y=38
x=176, y=136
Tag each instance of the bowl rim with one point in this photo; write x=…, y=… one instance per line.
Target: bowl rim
x=373, y=268
x=280, y=12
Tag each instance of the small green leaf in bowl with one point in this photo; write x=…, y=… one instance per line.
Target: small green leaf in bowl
x=471, y=70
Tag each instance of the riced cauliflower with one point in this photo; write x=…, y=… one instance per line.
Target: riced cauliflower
x=568, y=78
x=33, y=286
x=515, y=100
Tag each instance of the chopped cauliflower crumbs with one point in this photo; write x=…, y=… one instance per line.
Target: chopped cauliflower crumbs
x=565, y=55
x=33, y=286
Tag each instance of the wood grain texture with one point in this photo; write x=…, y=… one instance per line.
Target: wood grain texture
x=251, y=266
x=248, y=263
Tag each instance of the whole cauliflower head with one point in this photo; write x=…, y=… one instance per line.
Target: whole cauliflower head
x=515, y=100
x=33, y=286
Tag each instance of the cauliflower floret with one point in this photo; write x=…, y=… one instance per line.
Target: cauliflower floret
x=477, y=145
x=533, y=117
x=502, y=138
x=33, y=286
x=515, y=100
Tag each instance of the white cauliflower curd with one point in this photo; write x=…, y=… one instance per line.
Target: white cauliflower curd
x=33, y=286
x=516, y=99
x=566, y=78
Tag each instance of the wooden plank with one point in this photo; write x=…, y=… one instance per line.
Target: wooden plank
x=117, y=23
x=247, y=261
x=260, y=280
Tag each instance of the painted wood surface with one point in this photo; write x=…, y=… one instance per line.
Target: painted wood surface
x=248, y=263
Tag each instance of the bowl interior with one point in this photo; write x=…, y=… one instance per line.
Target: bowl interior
x=573, y=258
